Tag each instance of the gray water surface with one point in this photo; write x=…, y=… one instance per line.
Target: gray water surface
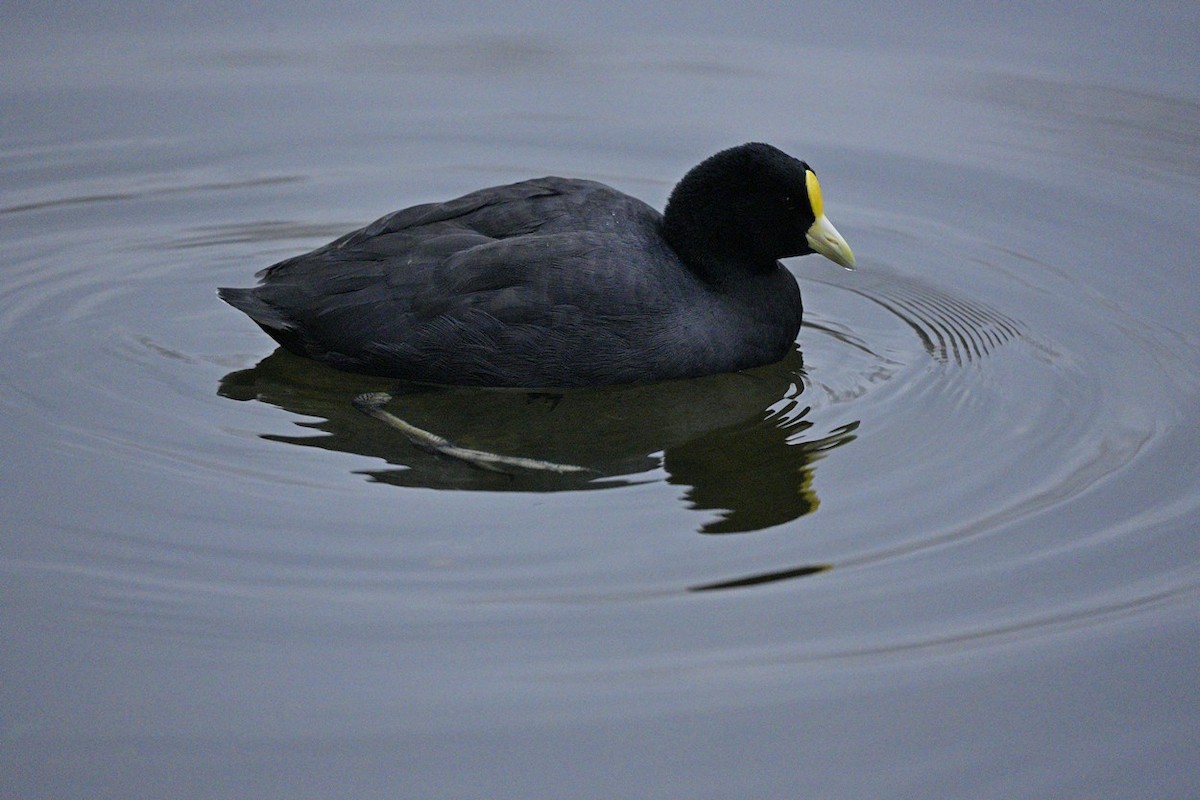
x=947, y=548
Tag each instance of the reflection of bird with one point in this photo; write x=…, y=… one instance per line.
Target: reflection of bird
x=740, y=446
x=558, y=282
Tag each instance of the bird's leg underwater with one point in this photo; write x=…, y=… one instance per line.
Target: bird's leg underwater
x=372, y=404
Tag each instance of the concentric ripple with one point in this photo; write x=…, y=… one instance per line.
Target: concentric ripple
x=953, y=330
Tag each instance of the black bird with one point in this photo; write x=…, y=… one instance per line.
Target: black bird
x=557, y=282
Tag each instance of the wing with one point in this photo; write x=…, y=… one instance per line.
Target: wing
x=504, y=283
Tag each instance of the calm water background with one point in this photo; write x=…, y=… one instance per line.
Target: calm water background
x=947, y=549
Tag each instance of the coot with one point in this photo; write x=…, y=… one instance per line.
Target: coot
x=558, y=282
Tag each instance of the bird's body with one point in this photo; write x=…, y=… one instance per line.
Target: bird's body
x=552, y=282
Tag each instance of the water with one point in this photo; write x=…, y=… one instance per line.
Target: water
x=946, y=549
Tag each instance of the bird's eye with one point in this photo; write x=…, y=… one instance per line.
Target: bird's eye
x=789, y=203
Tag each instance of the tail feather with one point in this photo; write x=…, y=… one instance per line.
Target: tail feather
x=268, y=317
x=253, y=306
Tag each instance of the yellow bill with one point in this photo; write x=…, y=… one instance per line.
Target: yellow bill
x=822, y=237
